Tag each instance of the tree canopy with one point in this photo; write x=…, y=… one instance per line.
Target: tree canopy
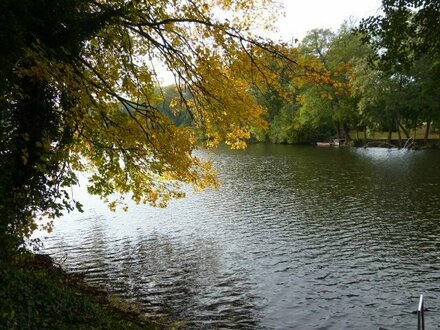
x=379, y=76
x=406, y=30
x=79, y=93
x=406, y=37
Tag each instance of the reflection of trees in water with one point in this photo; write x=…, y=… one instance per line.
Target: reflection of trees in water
x=291, y=229
x=369, y=215
x=85, y=249
x=167, y=276
x=381, y=194
x=188, y=281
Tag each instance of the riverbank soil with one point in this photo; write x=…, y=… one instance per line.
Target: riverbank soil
x=36, y=294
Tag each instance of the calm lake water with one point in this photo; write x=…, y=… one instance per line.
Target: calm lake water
x=296, y=238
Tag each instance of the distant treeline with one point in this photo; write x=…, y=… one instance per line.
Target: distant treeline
x=380, y=76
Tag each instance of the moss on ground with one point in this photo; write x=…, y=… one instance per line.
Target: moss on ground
x=42, y=296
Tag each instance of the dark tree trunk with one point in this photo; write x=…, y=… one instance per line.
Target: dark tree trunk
x=346, y=130
x=26, y=183
x=398, y=131
x=404, y=130
x=338, y=129
x=390, y=132
x=428, y=126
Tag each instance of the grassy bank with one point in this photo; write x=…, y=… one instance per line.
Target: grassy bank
x=418, y=134
x=34, y=294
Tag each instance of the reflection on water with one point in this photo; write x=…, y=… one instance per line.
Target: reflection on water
x=296, y=238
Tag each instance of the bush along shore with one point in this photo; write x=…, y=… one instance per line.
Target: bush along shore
x=37, y=294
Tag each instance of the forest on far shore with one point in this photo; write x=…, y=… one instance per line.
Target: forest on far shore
x=364, y=82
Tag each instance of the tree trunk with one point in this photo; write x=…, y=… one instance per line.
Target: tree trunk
x=346, y=130
x=338, y=130
x=428, y=126
x=396, y=121
x=365, y=134
x=390, y=132
x=27, y=186
x=404, y=130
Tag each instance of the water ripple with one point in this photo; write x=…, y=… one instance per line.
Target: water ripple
x=296, y=238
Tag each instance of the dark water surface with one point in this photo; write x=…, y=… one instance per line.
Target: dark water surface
x=296, y=238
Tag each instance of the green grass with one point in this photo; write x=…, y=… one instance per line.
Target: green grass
x=42, y=299
x=418, y=134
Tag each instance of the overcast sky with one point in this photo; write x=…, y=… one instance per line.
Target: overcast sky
x=304, y=15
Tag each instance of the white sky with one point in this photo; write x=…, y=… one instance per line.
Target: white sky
x=305, y=15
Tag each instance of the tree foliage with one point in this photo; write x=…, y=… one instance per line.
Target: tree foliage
x=405, y=31
x=321, y=101
x=381, y=75
x=407, y=41
x=78, y=93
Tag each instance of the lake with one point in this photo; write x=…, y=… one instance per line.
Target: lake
x=296, y=238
